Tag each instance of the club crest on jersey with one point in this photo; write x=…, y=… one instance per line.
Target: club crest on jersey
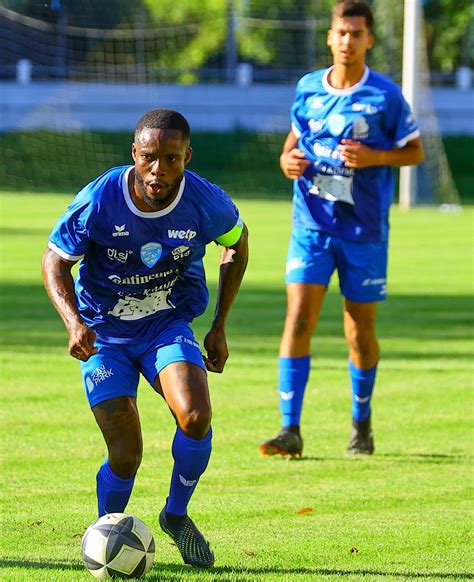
x=150, y=253
x=336, y=123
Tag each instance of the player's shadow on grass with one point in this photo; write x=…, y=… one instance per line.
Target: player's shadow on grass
x=40, y=564
x=174, y=572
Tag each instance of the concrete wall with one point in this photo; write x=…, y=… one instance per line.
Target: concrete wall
x=88, y=106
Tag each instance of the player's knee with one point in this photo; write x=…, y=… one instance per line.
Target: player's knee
x=195, y=423
x=299, y=325
x=361, y=341
x=125, y=462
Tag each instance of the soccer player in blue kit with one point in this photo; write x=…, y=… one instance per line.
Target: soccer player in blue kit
x=350, y=125
x=140, y=233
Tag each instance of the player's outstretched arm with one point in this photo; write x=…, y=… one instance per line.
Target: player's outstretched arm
x=292, y=160
x=232, y=268
x=357, y=155
x=59, y=285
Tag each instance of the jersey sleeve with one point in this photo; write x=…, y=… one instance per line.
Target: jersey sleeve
x=402, y=123
x=70, y=235
x=226, y=224
x=297, y=119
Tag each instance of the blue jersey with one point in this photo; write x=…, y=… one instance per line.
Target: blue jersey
x=142, y=270
x=351, y=204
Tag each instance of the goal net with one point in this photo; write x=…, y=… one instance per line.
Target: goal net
x=74, y=83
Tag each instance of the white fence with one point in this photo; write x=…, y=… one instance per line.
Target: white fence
x=110, y=107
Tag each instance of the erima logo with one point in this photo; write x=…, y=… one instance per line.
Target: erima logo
x=182, y=234
x=120, y=231
x=316, y=125
x=361, y=400
x=287, y=395
x=187, y=483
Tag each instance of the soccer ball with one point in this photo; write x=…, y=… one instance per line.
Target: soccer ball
x=118, y=545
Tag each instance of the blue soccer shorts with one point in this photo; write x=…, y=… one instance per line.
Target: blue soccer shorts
x=115, y=369
x=313, y=257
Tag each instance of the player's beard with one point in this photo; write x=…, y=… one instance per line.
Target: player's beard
x=163, y=202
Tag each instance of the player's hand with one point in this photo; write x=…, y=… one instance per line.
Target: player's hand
x=293, y=163
x=215, y=344
x=358, y=155
x=81, y=342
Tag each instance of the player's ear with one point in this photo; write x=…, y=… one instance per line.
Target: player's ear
x=134, y=152
x=371, y=42
x=188, y=155
x=328, y=37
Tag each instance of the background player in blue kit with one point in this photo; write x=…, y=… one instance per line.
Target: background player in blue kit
x=140, y=233
x=349, y=126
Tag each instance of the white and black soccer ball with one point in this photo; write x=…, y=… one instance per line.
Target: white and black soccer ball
x=118, y=545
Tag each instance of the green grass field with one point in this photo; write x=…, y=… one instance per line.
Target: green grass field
x=403, y=514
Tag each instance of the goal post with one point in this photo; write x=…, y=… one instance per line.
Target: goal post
x=411, y=74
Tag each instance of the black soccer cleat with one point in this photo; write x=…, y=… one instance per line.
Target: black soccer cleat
x=287, y=443
x=362, y=438
x=194, y=549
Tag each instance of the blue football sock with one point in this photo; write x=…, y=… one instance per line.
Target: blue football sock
x=292, y=378
x=362, y=387
x=113, y=492
x=191, y=457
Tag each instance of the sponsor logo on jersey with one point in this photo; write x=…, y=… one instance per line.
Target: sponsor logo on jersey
x=180, y=252
x=141, y=279
x=150, y=253
x=316, y=125
x=336, y=123
x=323, y=151
x=365, y=107
x=120, y=231
x=360, y=128
x=316, y=103
x=182, y=234
x=120, y=256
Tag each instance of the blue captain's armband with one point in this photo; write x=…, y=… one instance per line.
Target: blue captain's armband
x=230, y=238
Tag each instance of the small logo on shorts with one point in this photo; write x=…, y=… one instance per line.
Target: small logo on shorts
x=90, y=385
x=293, y=264
x=97, y=376
x=368, y=282
x=181, y=339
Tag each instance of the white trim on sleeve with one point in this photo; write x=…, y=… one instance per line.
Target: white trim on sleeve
x=295, y=130
x=62, y=254
x=401, y=143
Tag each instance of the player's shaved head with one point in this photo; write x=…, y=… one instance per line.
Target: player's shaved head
x=163, y=119
x=348, y=8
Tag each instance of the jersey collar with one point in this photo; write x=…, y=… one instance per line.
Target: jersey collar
x=349, y=90
x=158, y=213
